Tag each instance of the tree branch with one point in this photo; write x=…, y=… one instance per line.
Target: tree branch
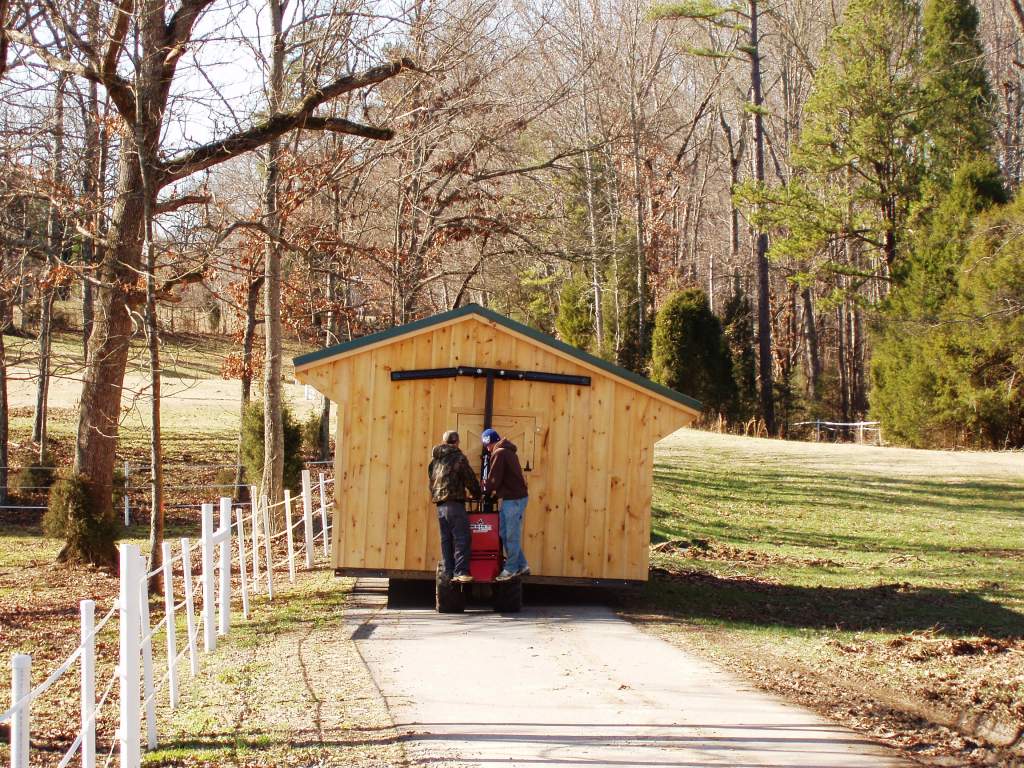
x=118, y=31
x=340, y=125
x=239, y=143
x=120, y=90
x=172, y=204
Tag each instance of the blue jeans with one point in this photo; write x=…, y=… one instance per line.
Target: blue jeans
x=511, y=530
x=455, y=536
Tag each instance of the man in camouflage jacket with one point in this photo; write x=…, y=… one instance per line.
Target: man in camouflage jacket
x=450, y=478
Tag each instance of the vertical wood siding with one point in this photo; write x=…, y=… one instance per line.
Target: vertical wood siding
x=592, y=458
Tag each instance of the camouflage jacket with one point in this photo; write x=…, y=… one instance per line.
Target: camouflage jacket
x=450, y=475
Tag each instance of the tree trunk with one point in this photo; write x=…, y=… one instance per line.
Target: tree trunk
x=330, y=337
x=812, y=357
x=156, y=456
x=844, y=385
x=55, y=248
x=764, y=312
x=100, y=409
x=4, y=414
x=273, y=435
x=639, y=232
x=252, y=298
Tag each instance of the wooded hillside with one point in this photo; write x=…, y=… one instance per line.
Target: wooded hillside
x=832, y=186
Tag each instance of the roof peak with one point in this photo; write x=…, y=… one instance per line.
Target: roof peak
x=513, y=325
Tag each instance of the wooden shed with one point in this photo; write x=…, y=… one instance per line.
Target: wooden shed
x=585, y=431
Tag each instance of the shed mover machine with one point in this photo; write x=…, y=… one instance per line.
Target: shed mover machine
x=585, y=431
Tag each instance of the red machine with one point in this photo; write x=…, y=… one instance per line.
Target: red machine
x=485, y=563
x=485, y=549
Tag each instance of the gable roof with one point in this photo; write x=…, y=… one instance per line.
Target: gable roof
x=489, y=314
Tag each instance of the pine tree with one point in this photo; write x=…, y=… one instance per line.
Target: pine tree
x=738, y=329
x=574, y=321
x=916, y=369
x=860, y=153
x=690, y=353
x=959, y=100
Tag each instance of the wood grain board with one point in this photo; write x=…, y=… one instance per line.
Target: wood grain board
x=590, y=449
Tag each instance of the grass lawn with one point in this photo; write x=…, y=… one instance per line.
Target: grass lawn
x=38, y=597
x=839, y=573
x=286, y=688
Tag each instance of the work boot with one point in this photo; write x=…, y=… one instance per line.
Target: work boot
x=504, y=575
x=462, y=578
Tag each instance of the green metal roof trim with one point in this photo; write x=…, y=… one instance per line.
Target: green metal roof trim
x=490, y=314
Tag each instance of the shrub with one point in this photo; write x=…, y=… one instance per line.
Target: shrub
x=311, y=434
x=690, y=353
x=38, y=476
x=252, y=445
x=89, y=533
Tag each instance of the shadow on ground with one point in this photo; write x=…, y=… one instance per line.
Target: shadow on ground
x=696, y=595
x=417, y=594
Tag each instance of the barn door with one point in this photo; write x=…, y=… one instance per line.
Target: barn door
x=521, y=430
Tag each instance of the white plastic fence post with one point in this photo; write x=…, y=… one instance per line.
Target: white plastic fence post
x=190, y=612
x=323, y=514
x=147, y=655
x=128, y=656
x=269, y=557
x=209, y=595
x=87, y=612
x=21, y=684
x=288, y=536
x=243, y=566
x=225, y=566
x=254, y=508
x=127, y=502
x=172, y=640
x=307, y=515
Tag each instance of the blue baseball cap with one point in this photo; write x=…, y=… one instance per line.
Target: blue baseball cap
x=490, y=436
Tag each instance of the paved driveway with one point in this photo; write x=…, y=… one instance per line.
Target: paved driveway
x=574, y=685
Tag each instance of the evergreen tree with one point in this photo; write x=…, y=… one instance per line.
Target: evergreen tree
x=574, y=321
x=958, y=98
x=858, y=163
x=985, y=334
x=621, y=305
x=738, y=329
x=690, y=353
x=916, y=364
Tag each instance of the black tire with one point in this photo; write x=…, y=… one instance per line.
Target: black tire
x=448, y=595
x=508, y=596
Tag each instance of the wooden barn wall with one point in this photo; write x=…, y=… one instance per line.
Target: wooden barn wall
x=590, y=494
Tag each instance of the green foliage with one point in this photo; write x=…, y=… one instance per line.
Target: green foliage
x=738, y=330
x=860, y=151
x=690, y=352
x=987, y=333
x=532, y=298
x=37, y=476
x=575, y=323
x=722, y=15
x=311, y=433
x=89, y=533
x=958, y=97
x=622, y=312
x=928, y=388
x=252, y=445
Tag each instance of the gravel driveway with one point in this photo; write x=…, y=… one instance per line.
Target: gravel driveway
x=575, y=685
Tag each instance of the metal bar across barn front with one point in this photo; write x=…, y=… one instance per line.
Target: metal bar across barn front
x=496, y=373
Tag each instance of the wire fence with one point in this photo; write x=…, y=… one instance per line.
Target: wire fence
x=241, y=544
x=869, y=432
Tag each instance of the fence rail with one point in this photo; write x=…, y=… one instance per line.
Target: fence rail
x=135, y=673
